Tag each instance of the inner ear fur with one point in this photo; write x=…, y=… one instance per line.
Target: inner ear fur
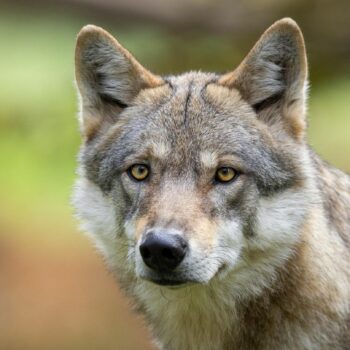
x=273, y=77
x=108, y=78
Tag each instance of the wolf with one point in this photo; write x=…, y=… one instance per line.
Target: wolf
x=217, y=219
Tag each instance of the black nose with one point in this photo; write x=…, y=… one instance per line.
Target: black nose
x=163, y=251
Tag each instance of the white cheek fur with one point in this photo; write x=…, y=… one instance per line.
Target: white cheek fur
x=96, y=214
x=279, y=218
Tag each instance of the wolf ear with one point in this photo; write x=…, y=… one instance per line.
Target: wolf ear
x=108, y=78
x=273, y=77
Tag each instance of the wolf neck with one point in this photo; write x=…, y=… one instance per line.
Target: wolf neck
x=334, y=186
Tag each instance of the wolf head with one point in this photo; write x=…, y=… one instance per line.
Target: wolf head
x=187, y=179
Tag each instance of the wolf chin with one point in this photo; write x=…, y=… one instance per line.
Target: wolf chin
x=220, y=223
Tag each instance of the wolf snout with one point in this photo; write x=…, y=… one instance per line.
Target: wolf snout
x=161, y=250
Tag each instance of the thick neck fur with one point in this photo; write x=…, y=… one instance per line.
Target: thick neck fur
x=299, y=302
x=334, y=186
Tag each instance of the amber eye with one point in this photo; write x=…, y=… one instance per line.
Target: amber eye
x=139, y=172
x=225, y=174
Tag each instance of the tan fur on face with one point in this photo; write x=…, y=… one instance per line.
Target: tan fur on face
x=205, y=231
x=140, y=226
x=200, y=229
x=223, y=96
x=178, y=207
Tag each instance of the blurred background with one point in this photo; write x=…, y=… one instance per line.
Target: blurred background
x=54, y=290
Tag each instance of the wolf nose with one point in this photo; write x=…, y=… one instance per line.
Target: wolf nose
x=163, y=251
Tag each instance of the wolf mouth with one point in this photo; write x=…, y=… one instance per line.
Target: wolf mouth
x=167, y=282
x=179, y=283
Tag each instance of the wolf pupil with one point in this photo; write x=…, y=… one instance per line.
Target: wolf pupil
x=139, y=172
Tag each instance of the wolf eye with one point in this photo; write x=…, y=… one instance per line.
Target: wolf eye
x=225, y=174
x=139, y=172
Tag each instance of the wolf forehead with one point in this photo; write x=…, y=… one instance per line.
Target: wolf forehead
x=189, y=124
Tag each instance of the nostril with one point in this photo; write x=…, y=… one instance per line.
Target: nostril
x=145, y=252
x=168, y=254
x=183, y=244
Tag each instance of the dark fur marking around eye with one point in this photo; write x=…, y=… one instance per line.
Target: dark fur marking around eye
x=112, y=100
x=259, y=106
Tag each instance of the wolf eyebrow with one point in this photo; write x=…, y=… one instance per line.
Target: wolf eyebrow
x=160, y=149
x=208, y=159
